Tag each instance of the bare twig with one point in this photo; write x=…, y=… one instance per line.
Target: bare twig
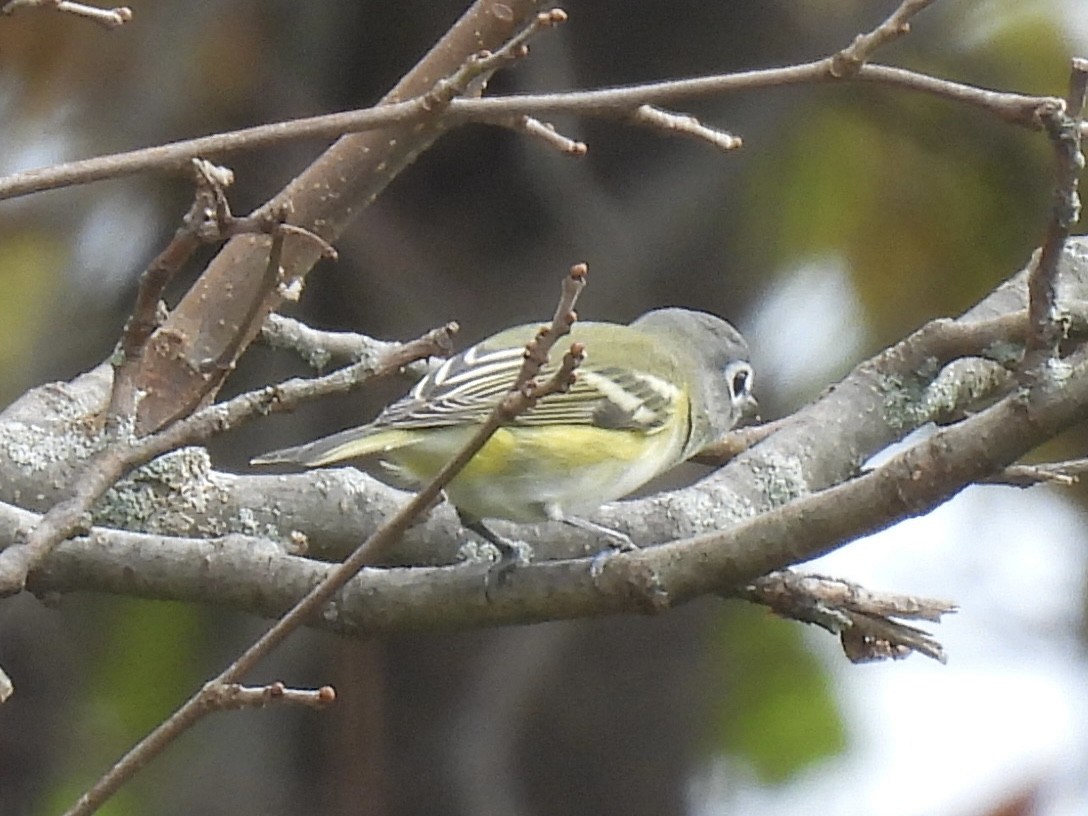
x=7, y=688
x=546, y=133
x=108, y=18
x=523, y=392
x=318, y=347
x=1064, y=474
x=685, y=125
x=865, y=621
x=208, y=220
x=848, y=61
x=102, y=470
x=287, y=396
x=233, y=696
x=63, y=520
x=325, y=197
x=538, y=349
x=1062, y=121
x=471, y=78
x=1018, y=109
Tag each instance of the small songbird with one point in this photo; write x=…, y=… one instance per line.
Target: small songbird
x=647, y=396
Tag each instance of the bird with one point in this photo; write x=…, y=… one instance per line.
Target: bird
x=648, y=395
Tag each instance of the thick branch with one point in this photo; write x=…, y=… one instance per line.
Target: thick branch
x=325, y=198
x=524, y=392
x=648, y=580
x=42, y=438
x=786, y=473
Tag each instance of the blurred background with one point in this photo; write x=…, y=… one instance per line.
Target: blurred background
x=852, y=215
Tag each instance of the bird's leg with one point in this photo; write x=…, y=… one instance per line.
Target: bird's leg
x=617, y=541
x=511, y=553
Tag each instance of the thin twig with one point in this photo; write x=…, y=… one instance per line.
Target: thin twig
x=1064, y=474
x=288, y=395
x=546, y=133
x=7, y=688
x=538, y=349
x=319, y=347
x=521, y=393
x=685, y=125
x=471, y=78
x=107, y=18
x=848, y=61
x=234, y=696
x=209, y=220
x=1062, y=122
x=866, y=621
x=1018, y=109
x=102, y=470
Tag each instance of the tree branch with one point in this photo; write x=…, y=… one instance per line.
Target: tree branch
x=107, y=18
x=609, y=103
x=110, y=459
x=1062, y=121
x=868, y=623
x=523, y=394
x=784, y=479
x=325, y=198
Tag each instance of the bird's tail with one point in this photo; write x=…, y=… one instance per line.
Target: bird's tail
x=352, y=443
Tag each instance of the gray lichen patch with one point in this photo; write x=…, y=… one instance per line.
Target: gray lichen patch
x=781, y=476
x=902, y=400
x=963, y=385
x=704, y=507
x=40, y=448
x=169, y=495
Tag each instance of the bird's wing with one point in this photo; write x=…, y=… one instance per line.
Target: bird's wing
x=466, y=388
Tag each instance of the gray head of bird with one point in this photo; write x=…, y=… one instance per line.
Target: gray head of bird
x=713, y=358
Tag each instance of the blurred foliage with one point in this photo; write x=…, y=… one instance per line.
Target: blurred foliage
x=30, y=264
x=143, y=666
x=775, y=711
x=930, y=204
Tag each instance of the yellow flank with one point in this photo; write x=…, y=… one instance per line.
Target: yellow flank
x=521, y=451
x=648, y=395
x=532, y=473
x=627, y=419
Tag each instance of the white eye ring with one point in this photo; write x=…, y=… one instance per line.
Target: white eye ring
x=739, y=375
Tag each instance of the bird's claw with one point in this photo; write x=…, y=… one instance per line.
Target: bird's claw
x=511, y=556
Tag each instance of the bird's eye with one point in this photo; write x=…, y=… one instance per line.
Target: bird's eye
x=741, y=380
